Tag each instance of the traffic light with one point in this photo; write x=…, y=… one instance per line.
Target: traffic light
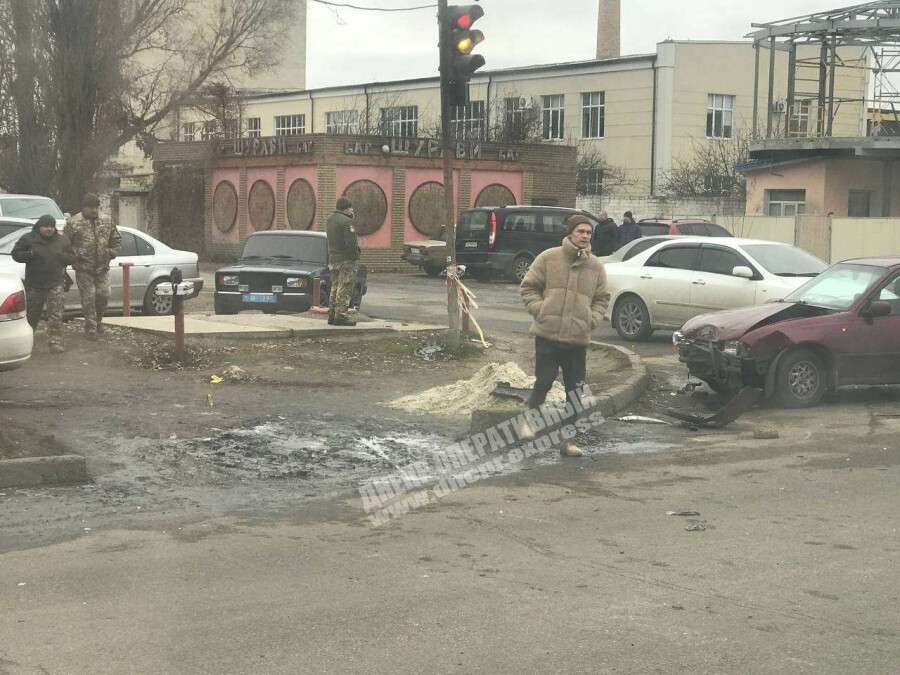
x=458, y=41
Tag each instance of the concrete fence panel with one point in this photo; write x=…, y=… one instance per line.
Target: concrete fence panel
x=759, y=227
x=861, y=237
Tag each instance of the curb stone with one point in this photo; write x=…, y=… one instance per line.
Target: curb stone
x=36, y=471
x=611, y=402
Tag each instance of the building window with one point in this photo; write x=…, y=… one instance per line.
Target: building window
x=290, y=125
x=554, y=117
x=593, y=114
x=189, y=131
x=400, y=121
x=467, y=121
x=720, y=116
x=859, y=204
x=209, y=130
x=590, y=182
x=342, y=122
x=785, y=202
x=254, y=127
x=800, y=118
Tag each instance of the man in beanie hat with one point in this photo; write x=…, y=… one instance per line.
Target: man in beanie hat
x=45, y=253
x=95, y=241
x=343, y=259
x=565, y=292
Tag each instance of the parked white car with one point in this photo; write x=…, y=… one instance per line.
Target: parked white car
x=152, y=263
x=30, y=207
x=662, y=284
x=16, y=337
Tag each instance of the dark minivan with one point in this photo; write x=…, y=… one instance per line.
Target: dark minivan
x=504, y=241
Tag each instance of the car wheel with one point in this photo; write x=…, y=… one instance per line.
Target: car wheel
x=156, y=305
x=520, y=267
x=221, y=308
x=432, y=269
x=801, y=380
x=631, y=318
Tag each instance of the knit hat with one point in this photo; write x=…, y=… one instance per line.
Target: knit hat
x=574, y=221
x=47, y=220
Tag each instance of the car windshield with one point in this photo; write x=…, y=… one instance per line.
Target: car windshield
x=29, y=207
x=287, y=247
x=786, y=261
x=838, y=287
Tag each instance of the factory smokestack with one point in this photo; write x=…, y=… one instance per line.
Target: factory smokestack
x=609, y=17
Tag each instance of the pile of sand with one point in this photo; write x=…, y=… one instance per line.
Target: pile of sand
x=464, y=396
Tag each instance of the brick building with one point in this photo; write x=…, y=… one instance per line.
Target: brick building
x=211, y=195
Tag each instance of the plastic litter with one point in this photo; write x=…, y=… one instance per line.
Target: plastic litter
x=682, y=513
x=640, y=419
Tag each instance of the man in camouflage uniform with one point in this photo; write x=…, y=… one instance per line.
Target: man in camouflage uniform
x=45, y=253
x=343, y=260
x=95, y=241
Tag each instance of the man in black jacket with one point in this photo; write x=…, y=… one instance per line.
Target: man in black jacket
x=343, y=262
x=45, y=253
x=603, y=242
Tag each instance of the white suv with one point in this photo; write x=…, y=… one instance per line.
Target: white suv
x=16, y=337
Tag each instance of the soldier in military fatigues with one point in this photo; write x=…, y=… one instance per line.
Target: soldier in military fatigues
x=45, y=253
x=343, y=260
x=95, y=241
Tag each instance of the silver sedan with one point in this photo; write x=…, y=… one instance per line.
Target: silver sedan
x=151, y=264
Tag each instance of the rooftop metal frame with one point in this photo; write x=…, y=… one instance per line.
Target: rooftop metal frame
x=872, y=26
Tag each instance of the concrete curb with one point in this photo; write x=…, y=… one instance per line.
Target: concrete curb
x=35, y=471
x=611, y=402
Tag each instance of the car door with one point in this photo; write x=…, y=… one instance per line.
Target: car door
x=552, y=228
x=127, y=253
x=521, y=232
x=715, y=288
x=140, y=253
x=664, y=283
x=871, y=346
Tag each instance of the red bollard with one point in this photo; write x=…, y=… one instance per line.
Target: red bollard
x=126, y=288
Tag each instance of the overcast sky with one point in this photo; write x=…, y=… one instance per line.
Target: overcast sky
x=348, y=46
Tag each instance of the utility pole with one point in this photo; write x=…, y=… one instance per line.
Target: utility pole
x=453, y=335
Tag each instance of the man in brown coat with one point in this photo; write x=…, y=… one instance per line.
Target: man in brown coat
x=565, y=292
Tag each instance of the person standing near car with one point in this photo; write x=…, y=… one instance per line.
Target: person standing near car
x=343, y=259
x=565, y=292
x=95, y=241
x=603, y=241
x=629, y=230
x=45, y=253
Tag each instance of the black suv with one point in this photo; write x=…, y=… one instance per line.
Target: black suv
x=504, y=241
x=276, y=272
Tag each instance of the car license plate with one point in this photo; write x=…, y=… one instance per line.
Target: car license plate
x=259, y=297
x=471, y=244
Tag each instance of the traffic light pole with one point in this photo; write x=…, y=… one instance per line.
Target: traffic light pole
x=453, y=335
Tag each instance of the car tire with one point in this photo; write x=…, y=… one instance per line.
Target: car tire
x=220, y=308
x=520, y=266
x=155, y=305
x=801, y=380
x=432, y=270
x=631, y=319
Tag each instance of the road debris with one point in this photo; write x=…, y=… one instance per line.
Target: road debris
x=682, y=513
x=429, y=352
x=699, y=526
x=640, y=419
x=766, y=433
x=745, y=399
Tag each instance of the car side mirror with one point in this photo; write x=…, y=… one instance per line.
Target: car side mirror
x=876, y=308
x=743, y=272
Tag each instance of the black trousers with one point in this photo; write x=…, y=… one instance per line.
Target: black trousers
x=551, y=356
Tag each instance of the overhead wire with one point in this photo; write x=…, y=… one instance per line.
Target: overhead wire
x=346, y=5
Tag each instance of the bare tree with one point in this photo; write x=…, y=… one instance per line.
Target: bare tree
x=711, y=170
x=105, y=72
x=595, y=176
x=224, y=104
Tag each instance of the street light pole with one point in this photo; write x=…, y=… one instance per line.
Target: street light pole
x=453, y=334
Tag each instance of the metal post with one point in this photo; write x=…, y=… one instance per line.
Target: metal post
x=771, y=87
x=831, y=85
x=823, y=77
x=453, y=335
x=178, y=310
x=126, y=288
x=317, y=292
x=755, y=91
x=791, y=88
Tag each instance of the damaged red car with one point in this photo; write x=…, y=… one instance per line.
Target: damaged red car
x=841, y=328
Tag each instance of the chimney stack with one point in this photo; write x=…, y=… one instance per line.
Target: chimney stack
x=609, y=18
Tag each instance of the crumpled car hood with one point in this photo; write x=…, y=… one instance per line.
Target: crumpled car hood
x=732, y=324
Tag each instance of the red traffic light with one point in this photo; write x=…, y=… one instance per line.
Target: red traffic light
x=464, y=16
